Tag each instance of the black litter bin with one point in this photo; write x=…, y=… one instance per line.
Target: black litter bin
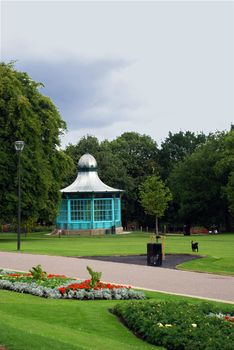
x=154, y=254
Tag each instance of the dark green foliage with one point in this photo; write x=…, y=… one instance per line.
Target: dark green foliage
x=201, y=183
x=179, y=326
x=175, y=148
x=225, y=168
x=139, y=155
x=25, y=114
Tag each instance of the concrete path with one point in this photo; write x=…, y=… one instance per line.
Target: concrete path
x=195, y=284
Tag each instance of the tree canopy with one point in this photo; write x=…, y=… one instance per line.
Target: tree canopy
x=155, y=197
x=201, y=182
x=25, y=114
x=176, y=147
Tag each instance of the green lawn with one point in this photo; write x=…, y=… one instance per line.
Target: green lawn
x=28, y=322
x=218, y=249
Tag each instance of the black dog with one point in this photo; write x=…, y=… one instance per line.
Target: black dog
x=194, y=246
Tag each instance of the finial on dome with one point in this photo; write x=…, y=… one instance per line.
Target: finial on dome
x=87, y=162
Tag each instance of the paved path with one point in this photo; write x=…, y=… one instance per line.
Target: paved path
x=195, y=284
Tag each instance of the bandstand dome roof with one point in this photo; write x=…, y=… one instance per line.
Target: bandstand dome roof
x=87, y=179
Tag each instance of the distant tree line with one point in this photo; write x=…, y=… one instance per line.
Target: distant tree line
x=197, y=168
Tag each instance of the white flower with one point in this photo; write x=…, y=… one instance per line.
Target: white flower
x=194, y=325
x=160, y=324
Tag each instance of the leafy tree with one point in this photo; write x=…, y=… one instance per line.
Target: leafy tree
x=155, y=197
x=139, y=156
x=225, y=168
x=200, y=182
x=139, y=153
x=25, y=114
x=175, y=148
x=230, y=192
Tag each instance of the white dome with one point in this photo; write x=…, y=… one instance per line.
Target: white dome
x=87, y=161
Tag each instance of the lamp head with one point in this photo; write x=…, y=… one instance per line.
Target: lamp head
x=19, y=146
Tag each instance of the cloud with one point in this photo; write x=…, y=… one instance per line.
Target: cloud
x=88, y=93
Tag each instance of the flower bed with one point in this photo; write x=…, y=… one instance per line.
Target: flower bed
x=41, y=284
x=180, y=326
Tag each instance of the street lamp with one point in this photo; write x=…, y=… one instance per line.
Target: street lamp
x=19, y=146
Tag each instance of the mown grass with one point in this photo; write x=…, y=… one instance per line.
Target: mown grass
x=218, y=249
x=28, y=322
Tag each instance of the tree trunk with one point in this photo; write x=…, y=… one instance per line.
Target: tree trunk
x=156, y=225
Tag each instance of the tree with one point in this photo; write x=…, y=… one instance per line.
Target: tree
x=139, y=156
x=155, y=197
x=25, y=114
x=200, y=183
x=176, y=147
x=225, y=167
x=230, y=192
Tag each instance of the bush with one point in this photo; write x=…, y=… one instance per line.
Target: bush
x=179, y=326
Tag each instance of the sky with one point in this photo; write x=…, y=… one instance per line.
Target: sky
x=112, y=67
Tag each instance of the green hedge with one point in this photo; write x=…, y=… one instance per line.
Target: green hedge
x=180, y=326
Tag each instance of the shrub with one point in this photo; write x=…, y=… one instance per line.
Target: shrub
x=95, y=277
x=38, y=273
x=179, y=326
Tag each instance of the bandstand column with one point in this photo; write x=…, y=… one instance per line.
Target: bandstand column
x=119, y=209
x=92, y=212
x=113, y=210
x=68, y=212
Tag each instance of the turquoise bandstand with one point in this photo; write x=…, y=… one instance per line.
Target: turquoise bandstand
x=88, y=205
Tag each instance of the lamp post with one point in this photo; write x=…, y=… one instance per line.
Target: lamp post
x=19, y=146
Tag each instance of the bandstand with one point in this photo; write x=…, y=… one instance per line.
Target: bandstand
x=88, y=205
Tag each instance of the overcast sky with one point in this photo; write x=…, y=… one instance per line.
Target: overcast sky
x=111, y=67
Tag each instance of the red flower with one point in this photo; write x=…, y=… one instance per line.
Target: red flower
x=86, y=285
x=51, y=275
x=62, y=290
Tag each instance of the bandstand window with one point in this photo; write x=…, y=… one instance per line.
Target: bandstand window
x=102, y=210
x=117, y=209
x=80, y=210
